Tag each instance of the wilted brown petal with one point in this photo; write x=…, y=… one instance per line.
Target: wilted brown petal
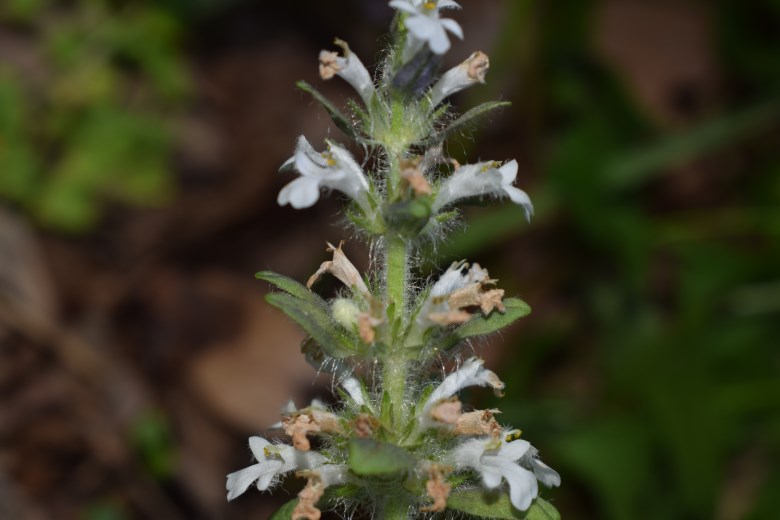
x=308, y=498
x=477, y=65
x=329, y=65
x=447, y=412
x=366, y=327
x=341, y=268
x=473, y=296
x=365, y=426
x=439, y=490
x=304, y=422
x=453, y=317
x=478, y=422
x=411, y=173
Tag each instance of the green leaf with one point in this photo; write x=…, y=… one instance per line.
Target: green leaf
x=466, y=119
x=481, y=325
x=339, y=119
x=368, y=457
x=315, y=320
x=478, y=503
x=288, y=285
x=636, y=166
x=285, y=512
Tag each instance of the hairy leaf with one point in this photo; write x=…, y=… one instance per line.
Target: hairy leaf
x=288, y=285
x=480, y=325
x=339, y=119
x=285, y=512
x=368, y=457
x=314, y=319
x=466, y=119
x=478, y=503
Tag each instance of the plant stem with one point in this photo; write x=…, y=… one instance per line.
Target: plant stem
x=395, y=272
x=396, y=509
x=395, y=362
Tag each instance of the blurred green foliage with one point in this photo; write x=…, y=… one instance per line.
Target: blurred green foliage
x=655, y=390
x=86, y=100
x=152, y=440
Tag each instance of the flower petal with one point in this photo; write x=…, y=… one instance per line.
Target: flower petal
x=303, y=192
x=257, y=446
x=404, y=6
x=522, y=483
x=472, y=373
x=422, y=27
x=438, y=40
x=508, y=172
x=448, y=4
x=354, y=388
x=514, y=450
x=452, y=26
x=269, y=470
x=491, y=477
x=546, y=475
x=239, y=481
x=354, y=181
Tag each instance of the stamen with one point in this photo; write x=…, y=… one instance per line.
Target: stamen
x=514, y=435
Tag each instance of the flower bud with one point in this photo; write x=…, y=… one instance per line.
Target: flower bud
x=345, y=312
x=466, y=74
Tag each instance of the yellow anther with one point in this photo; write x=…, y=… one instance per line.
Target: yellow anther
x=267, y=451
x=329, y=160
x=514, y=435
x=430, y=5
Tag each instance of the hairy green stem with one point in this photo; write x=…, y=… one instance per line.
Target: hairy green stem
x=395, y=362
x=396, y=509
x=396, y=268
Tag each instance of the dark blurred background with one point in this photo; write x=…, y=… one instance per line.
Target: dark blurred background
x=139, y=143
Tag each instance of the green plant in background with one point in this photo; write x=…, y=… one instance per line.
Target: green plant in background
x=84, y=112
x=399, y=444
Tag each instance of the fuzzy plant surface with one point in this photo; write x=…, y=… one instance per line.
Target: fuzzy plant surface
x=400, y=444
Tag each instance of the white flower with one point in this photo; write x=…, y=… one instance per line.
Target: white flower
x=454, y=278
x=544, y=473
x=455, y=291
x=333, y=474
x=334, y=169
x=472, y=373
x=354, y=388
x=497, y=460
x=425, y=26
x=466, y=74
x=272, y=460
x=487, y=178
x=350, y=68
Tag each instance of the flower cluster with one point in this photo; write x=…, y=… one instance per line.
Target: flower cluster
x=400, y=443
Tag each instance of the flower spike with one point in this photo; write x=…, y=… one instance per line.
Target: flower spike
x=396, y=442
